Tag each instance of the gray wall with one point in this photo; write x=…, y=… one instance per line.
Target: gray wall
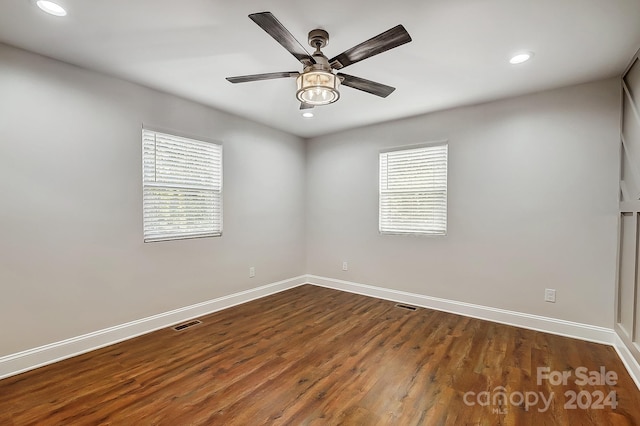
x=532, y=205
x=72, y=258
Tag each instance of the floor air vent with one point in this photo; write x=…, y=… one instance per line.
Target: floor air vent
x=410, y=308
x=186, y=325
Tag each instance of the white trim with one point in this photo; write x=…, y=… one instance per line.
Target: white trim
x=627, y=359
x=415, y=146
x=37, y=357
x=197, y=138
x=634, y=171
x=629, y=206
x=560, y=327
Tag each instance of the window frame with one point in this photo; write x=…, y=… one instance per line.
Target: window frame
x=444, y=142
x=183, y=186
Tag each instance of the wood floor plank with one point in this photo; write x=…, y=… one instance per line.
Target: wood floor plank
x=315, y=356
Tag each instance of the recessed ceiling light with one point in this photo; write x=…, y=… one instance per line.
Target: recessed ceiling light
x=307, y=114
x=520, y=58
x=51, y=8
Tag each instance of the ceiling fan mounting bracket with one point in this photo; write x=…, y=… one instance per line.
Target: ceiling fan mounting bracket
x=318, y=38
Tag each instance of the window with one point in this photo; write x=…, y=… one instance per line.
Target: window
x=182, y=187
x=413, y=190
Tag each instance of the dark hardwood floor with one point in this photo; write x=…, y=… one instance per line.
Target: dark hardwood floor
x=312, y=355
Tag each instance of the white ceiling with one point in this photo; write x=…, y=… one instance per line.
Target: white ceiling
x=459, y=53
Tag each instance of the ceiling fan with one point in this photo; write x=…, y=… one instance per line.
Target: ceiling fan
x=317, y=83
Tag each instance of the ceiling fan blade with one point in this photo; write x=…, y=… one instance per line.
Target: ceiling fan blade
x=389, y=39
x=305, y=106
x=368, y=86
x=275, y=29
x=267, y=76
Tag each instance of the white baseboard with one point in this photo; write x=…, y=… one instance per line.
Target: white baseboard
x=576, y=330
x=33, y=358
x=628, y=358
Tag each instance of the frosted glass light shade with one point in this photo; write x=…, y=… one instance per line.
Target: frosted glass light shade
x=317, y=88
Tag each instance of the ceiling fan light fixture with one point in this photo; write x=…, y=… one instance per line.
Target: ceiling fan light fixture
x=318, y=87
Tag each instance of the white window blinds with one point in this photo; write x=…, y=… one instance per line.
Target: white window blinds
x=182, y=187
x=413, y=191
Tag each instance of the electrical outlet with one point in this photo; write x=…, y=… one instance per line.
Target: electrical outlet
x=252, y=272
x=345, y=266
x=550, y=295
